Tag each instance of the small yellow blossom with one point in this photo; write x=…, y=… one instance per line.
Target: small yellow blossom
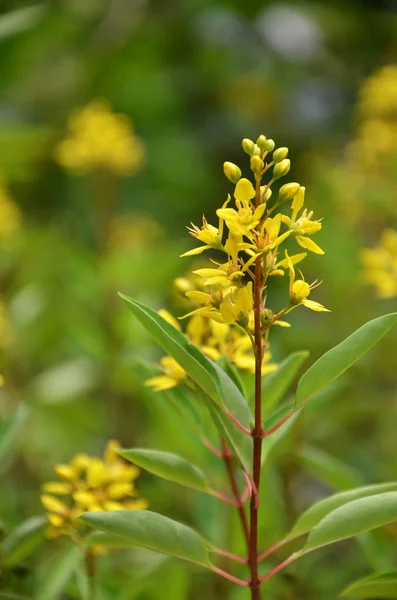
x=173, y=375
x=243, y=220
x=89, y=483
x=299, y=290
x=99, y=138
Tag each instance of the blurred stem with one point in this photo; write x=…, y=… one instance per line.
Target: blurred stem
x=90, y=570
x=104, y=196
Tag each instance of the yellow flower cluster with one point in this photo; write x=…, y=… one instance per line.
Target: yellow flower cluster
x=99, y=138
x=380, y=265
x=215, y=340
x=375, y=145
x=250, y=234
x=89, y=484
x=10, y=215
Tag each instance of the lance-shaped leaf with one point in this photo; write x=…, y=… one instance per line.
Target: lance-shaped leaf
x=328, y=469
x=22, y=541
x=313, y=515
x=271, y=441
x=275, y=385
x=152, y=531
x=353, y=518
x=168, y=466
x=377, y=585
x=336, y=361
x=206, y=374
x=59, y=573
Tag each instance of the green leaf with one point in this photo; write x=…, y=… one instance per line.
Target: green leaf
x=100, y=538
x=10, y=429
x=328, y=469
x=206, y=374
x=16, y=21
x=275, y=385
x=352, y=519
x=59, y=573
x=168, y=466
x=6, y=596
x=233, y=373
x=336, y=361
x=313, y=515
x=271, y=441
x=22, y=541
x=153, y=531
x=377, y=585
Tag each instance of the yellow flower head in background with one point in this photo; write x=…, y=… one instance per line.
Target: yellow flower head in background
x=100, y=139
x=10, y=215
x=380, y=265
x=375, y=147
x=90, y=484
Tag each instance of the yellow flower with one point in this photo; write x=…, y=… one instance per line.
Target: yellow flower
x=99, y=138
x=303, y=226
x=173, y=375
x=208, y=234
x=89, y=483
x=299, y=290
x=237, y=309
x=243, y=220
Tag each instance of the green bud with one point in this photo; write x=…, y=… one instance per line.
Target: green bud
x=257, y=151
x=232, y=171
x=269, y=146
x=288, y=191
x=281, y=168
x=261, y=142
x=248, y=146
x=267, y=316
x=280, y=154
x=256, y=164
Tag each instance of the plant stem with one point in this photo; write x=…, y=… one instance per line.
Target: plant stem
x=228, y=459
x=90, y=570
x=257, y=436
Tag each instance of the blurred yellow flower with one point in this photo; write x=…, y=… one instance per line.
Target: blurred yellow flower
x=99, y=138
x=380, y=265
x=89, y=484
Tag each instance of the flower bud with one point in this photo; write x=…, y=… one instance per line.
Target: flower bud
x=261, y=142
x=281, y=168
x=267, y=316
x=183, y=285
x=269, y=146
x=257, y=151
x=256, y=164
x=280, y=154
x=248, y=146
x=232, y=171
x=265, y=193
x=300, y=291
x=288, y=191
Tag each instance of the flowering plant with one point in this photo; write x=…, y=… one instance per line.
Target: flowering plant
x=229, y=328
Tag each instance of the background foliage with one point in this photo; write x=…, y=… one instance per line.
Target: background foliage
x=194, y=77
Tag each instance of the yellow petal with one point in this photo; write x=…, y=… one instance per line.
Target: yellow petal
x=298, y=202
x=207, y=272
x=53, y=504
x=315, y=306
x=282, y=323
x=228, y=312
x=244, y=301
x=97, y=473
x=55, y=520
x=200, y=297
x=295, y=258
x=306, y=242
x=244, y=190
x=65, y=472
x=161, y=382
x=57, y=487
x=194, y=251
x=84, y=498
x=139, y=504
x=169, y=318
x=117, y=491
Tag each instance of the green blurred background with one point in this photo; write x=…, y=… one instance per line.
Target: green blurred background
x=195, y=77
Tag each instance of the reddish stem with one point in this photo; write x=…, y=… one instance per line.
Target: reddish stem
x=236, y=421
x=228, y=459
x=211, y=448
x=277, y=569
x=222, y=497
x=230, y=555
x=230, y=577
x=277, y=425
x=271, y=550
